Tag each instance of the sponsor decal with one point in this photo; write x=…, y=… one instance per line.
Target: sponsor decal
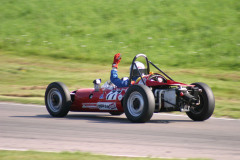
x=90, y=105
x=101, y=97
x=120, y=97
x=106, y=106
x=113, y=95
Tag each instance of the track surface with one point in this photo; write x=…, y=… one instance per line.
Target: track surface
x=29, y=127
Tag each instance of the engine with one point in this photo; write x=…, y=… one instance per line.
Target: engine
x=165, y=98
x=176, y=99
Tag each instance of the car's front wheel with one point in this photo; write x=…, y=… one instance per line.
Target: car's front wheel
x=139, y=103
x=57, y=99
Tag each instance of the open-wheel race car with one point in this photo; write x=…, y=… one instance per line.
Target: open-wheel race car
x=150, y=93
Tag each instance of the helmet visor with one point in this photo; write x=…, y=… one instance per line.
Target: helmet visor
x=142, y=71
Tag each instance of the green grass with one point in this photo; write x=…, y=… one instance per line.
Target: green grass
x=179, y=33
x=33, y=155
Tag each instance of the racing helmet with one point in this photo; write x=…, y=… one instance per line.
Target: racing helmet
x=140, y=67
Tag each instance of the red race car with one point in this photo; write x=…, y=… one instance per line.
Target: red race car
x=150, y=93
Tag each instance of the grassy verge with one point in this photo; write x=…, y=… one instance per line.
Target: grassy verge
x=24, y=80
x=181, y=33
x=33, y=155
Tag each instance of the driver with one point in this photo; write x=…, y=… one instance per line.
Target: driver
x=125, y=81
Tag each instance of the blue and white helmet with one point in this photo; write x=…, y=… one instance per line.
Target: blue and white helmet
x=140, y=67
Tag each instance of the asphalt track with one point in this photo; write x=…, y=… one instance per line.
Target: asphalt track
x=29, y=127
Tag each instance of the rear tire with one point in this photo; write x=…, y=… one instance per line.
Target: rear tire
x=207, y=104
x=57, y=99
x=139, y=103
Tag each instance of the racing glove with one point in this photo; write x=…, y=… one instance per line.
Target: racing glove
x=116, y=60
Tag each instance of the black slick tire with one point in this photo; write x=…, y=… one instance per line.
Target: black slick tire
x=57, y=99
x=207, y=104
x=139, y=103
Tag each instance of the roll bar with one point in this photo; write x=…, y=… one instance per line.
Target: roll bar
x=133, y=64
x=148, y=68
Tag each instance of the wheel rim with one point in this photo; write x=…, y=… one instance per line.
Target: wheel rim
x=54, y=100
x=135, y=104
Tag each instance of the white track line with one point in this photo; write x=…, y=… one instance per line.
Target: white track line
x=179, y=115
x=19, y=104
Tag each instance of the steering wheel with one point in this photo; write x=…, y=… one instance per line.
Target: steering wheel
x=158, y=77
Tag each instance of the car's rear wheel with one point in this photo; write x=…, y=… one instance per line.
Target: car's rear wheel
x=206, y=105
x=57, y=99
x=139, y=103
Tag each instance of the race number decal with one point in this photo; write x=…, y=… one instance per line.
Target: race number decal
x=113, y=95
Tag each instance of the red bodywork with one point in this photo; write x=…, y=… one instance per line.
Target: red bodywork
x=105, y=100
x=89, y=100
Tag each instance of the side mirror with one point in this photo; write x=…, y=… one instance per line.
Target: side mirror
x=97, y=85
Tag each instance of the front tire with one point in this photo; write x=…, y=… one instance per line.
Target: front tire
x=57, y=99
x=139, y=103
x=207, y=104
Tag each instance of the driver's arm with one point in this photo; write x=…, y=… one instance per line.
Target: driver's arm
x=116, y=81
x=114, y=75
